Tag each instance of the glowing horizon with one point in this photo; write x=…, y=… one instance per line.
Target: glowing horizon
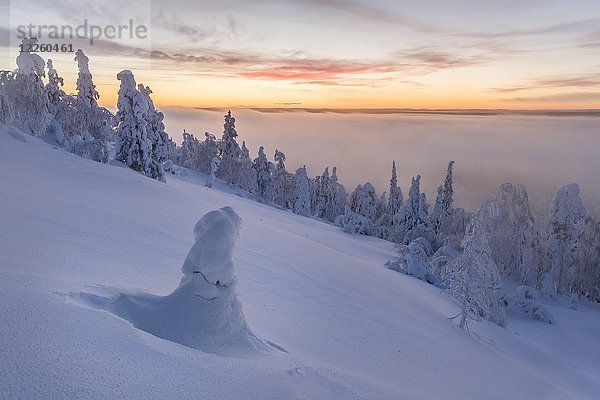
x=349, y=54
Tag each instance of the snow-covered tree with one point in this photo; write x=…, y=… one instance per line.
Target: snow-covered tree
x=412, y=260
x=214, y=167
x=5, y=109
x=53, y=89
x=515, y=243
x=566, y=219
x=247, y=174
x=327, y=196
x=382, y=204
x=301, y=200
x=314, y=184
x=363, y=201
x=230, y=152
x=162, y=144
x=443, y=201
x=319, y=192
x=395, y=196
x=6, y=78
x=207, y=150
x=187, y=152
x=352, y=222
x=25, y=92
x=86, y=90
x=282, y=182
x=85, y=128
x=586, y=256
x=472, y=278
x=134, y=145
x=264, y=179
x=412, y=220
x=335, y=199
x=382, y=227
x=383, y=221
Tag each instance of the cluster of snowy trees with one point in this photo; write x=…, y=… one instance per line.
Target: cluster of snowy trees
x=502, y=240
x=269, y=181
x=74, y=121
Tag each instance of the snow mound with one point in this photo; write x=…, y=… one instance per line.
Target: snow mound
x=212, y=253
x=204, y=312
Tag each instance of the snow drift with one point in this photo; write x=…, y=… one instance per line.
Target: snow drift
x=204, y=312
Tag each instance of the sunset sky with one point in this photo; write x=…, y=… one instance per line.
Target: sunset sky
x=523, y=54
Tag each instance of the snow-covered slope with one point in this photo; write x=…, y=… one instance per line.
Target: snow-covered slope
x=351, y=328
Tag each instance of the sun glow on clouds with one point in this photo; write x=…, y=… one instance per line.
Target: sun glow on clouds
x=348, y=54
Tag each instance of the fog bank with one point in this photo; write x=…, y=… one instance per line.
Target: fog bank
x=540, y=152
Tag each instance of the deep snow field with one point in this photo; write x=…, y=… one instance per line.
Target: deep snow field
x=351, y=328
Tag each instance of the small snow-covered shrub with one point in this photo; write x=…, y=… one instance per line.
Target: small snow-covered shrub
x=424, y=244
x=352, y=222
x=526, y=292
x=523, y=302
x=172, y=168
x=382, y=227
x=412, y=260
x=92, y=149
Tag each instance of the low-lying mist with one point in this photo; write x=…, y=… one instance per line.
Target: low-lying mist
x=540, y=152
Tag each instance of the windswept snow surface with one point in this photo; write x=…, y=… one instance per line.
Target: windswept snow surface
x=352, y=328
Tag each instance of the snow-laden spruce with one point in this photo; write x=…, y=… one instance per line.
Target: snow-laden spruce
x=443, y=202
x=301, y=200
x=264, y=179
x=472, y=278
x=24, y=90
x=214, y=167
x=86, y=90
x=573, y=248
x=135, y=139
x=318, y=194
x=247, y=174
x=186, y=154
x=230, y=152
x=53, y=89
x=516, y=245
x=336, y=197
x=79, y=124
x=363, y=201
x=5, y=109
x=327, y=196
x=395, y=196
x=352, y=222
x=412, y=220
x=587, y=260
x=163, y=147
x=204, y=312
x=282, y=182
